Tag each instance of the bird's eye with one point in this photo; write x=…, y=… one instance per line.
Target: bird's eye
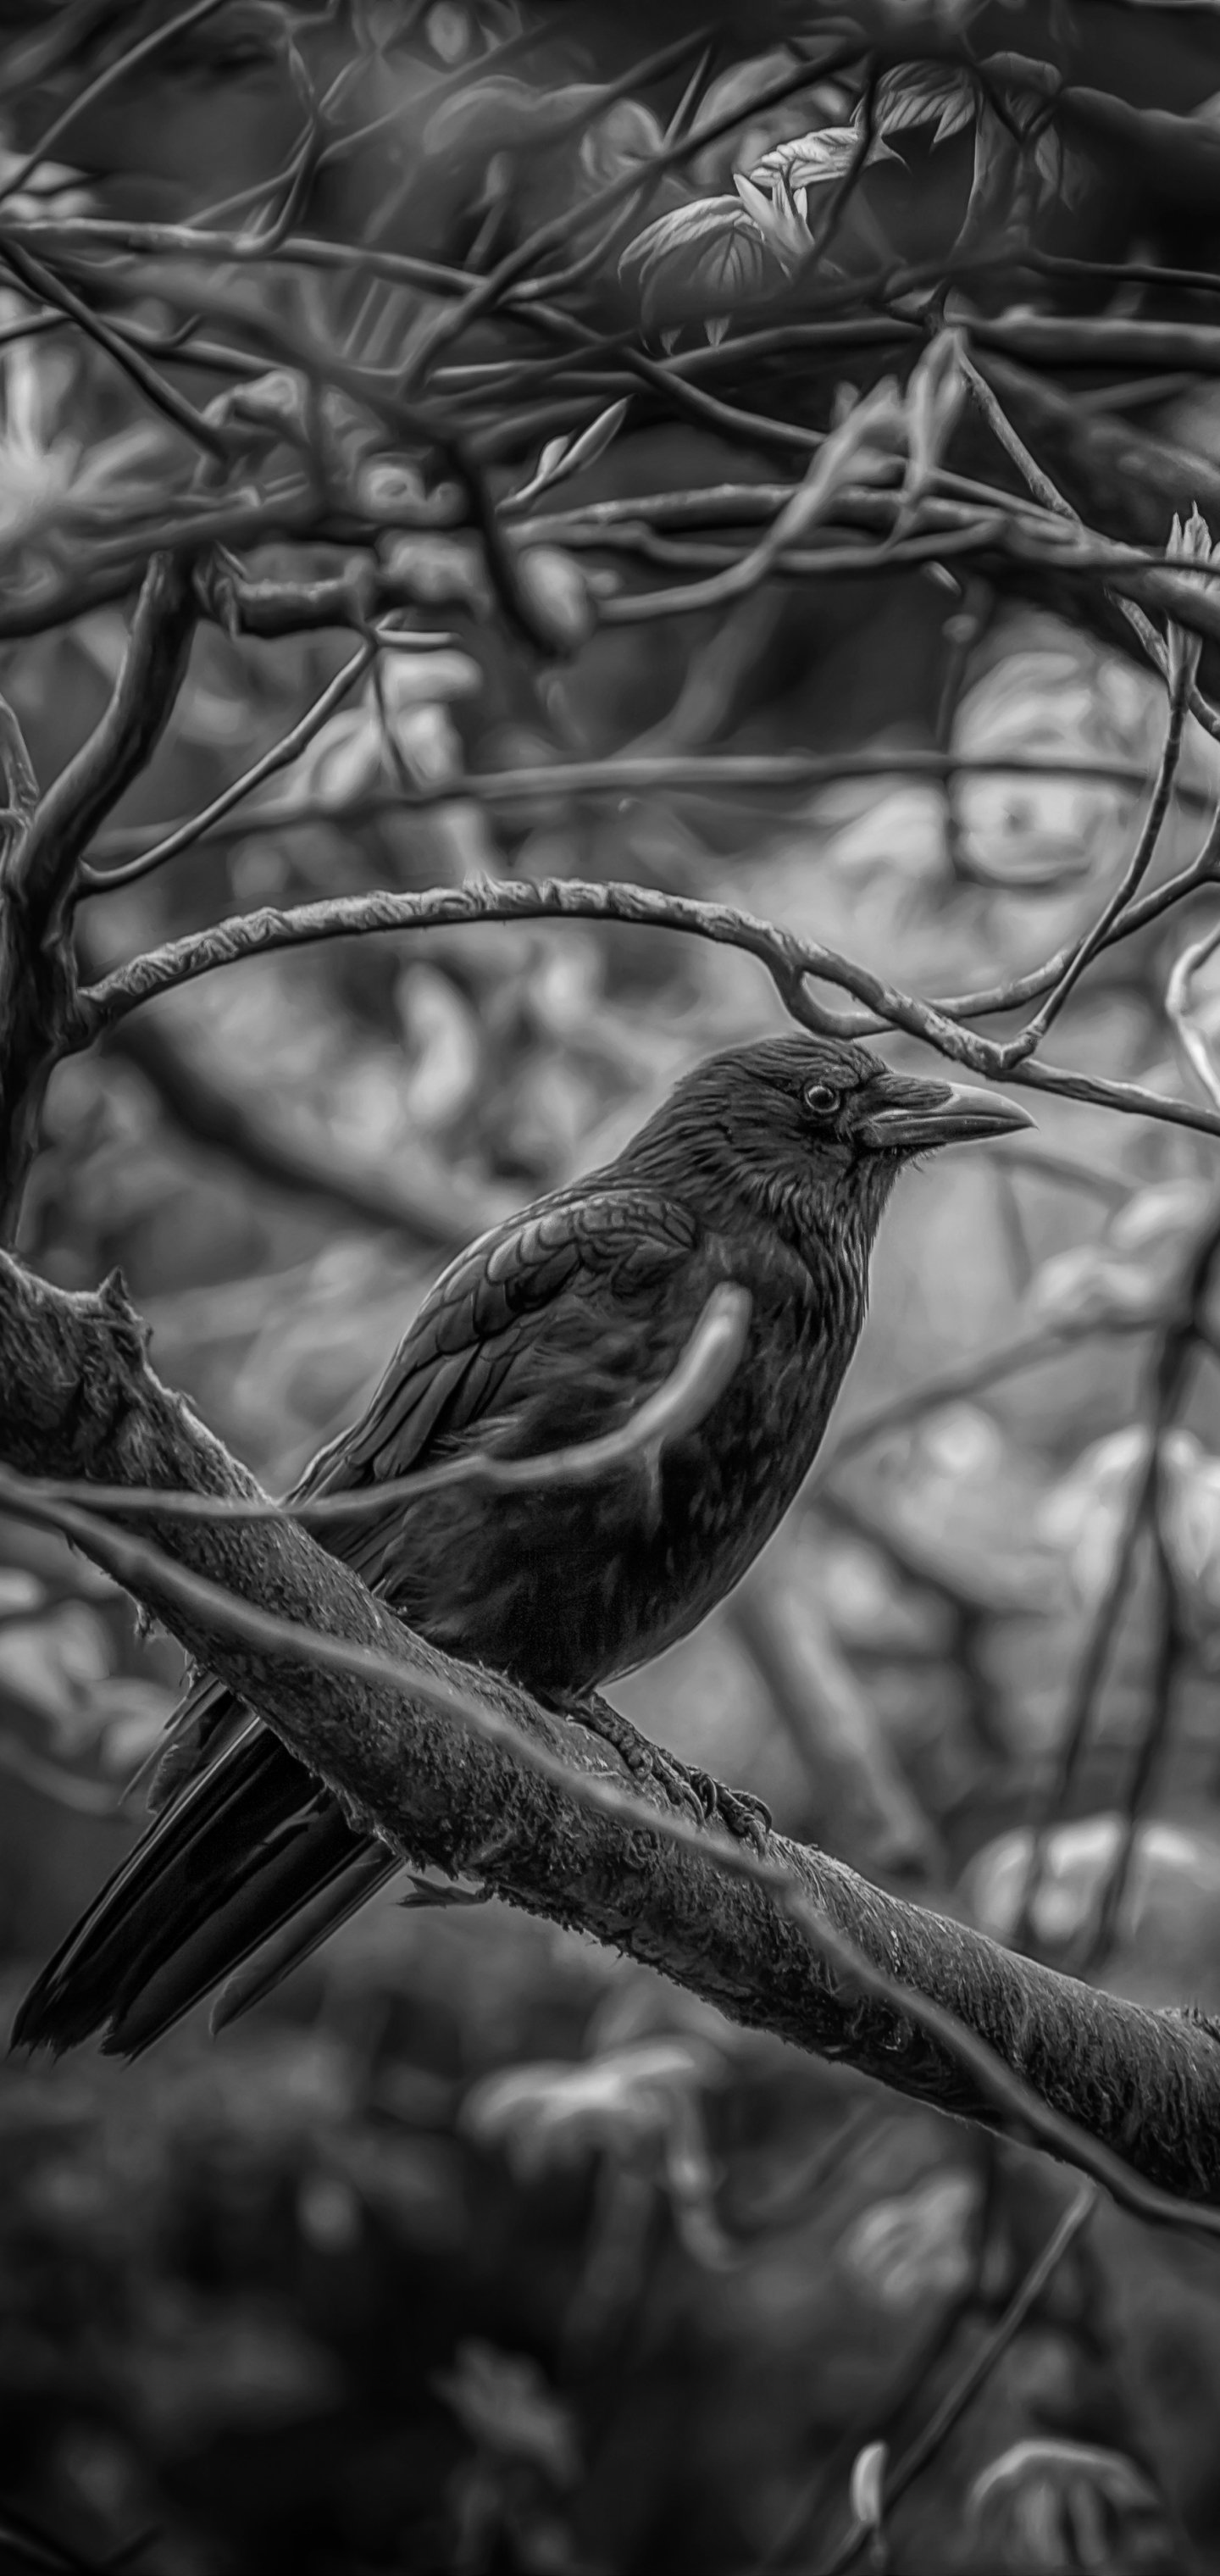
x=820, y=1096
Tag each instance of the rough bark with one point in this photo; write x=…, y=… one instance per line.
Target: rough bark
x=78, y=1399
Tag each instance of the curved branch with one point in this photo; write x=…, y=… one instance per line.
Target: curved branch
x=280, y=756
x=787, y=958
x=789, y=962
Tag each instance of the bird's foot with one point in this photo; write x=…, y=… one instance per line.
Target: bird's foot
x=706, y=1799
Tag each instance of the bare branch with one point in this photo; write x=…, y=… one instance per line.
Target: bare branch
x=999, y=423
x=643, y=773
x=44, y=876
x=1180, y=1333
x=108, y=79
x=912, y=2462
x=788, y=960
x=974, y=1377
x=42, y=282
x=103, y=880
x=1136, y=869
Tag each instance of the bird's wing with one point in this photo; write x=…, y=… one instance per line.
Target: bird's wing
x=564, y=1298
x=496, y=1336
x=547, y=1330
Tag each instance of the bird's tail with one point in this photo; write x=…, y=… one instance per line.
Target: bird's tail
x=248, y=1868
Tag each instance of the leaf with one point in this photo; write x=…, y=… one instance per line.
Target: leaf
x=429, y=744
x=858, y=450
x=740, y=87
x=441, y=571
x=1050, y=2502
x=552, y=2115
x=1082, y=1519
x=866, y=2490
x=503, y=2401
x=916, y=94
x=559, y=596
x=736, y=92
x=936, y=390
x=697, y=260
x=563, y=456
x=1171, y=1902
x=1127, y=1275
x=809, y=160
x=1191, y=1519
x=780, y=218
x=429, y=679
x=20, y=1592
x=916, y=2248
x=627, y=134
x=448, y=30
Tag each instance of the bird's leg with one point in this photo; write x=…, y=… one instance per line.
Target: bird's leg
x=708, y=1800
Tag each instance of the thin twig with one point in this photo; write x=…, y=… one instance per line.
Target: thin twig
x=974, y=1377
x=1179, y=1336
x=1168, y=1656
x=676, y=1407
x=644, y=774
x=911, y=2463
x=40, y=281
x=114, y=72
x=1136, y=869
x=104, y=880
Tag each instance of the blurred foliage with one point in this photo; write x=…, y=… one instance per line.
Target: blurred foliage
x=476, y=2249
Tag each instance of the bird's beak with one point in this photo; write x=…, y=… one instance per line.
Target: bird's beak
x=939, y=1113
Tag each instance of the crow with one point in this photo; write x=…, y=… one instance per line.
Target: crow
x=768, y=1166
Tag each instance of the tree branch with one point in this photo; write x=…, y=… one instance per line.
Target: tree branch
x=40, y=870
x=789, y=961
x=43, y=877
x=458, y=1769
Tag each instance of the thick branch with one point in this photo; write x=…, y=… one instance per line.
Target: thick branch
x=77, y=1399
x=117, y=750
x=39, y=872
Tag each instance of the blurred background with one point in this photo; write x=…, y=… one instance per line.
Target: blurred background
x=477, y=2248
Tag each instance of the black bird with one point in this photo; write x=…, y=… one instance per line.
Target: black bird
x=768, y=1166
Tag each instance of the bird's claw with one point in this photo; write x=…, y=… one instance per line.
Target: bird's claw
x=740, y=1813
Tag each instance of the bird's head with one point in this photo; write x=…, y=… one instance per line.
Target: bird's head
x=812, y=1131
